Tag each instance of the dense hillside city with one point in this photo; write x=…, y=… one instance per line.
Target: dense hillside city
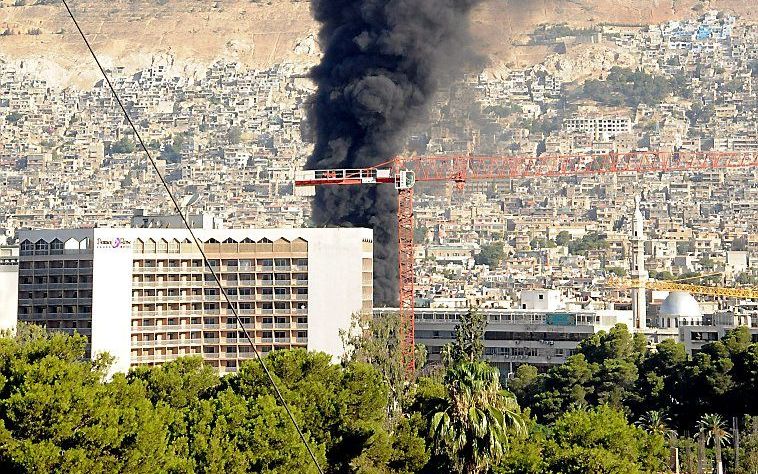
x=401, y=236
x=234, y=136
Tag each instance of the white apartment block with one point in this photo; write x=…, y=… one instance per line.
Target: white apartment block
x=600, y=128
x=144, y=295
x=542, y=335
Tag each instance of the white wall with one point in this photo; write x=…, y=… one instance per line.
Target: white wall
x=8, y=296
x=335, y=286
x=112, y=298
x=540, y=300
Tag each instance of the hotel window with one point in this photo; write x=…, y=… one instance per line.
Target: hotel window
x=27, y=248
x=56, y=247
x=41, y=248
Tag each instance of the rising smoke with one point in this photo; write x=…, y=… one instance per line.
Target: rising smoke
x=383, y=61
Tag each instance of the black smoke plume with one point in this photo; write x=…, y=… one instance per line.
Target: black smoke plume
x=383, y=61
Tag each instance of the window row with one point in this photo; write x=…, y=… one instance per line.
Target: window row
x=234, y=263
x=55, y=280
x=212, y=245
x=55, y=247
x=215, y=321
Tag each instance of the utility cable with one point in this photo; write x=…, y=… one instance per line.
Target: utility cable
x=196, y=241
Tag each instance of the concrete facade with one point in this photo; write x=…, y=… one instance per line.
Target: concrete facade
x=514, y=337
x=144, y=295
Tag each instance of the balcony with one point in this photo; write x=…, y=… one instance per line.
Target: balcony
x=168, y=328
x=282, y=325
x=158, y=357
x=166, y=284
x=237, y=326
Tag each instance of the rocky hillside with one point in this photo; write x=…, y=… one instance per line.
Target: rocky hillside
x=191, y=34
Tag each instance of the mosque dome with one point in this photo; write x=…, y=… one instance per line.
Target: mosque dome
x=680, y=304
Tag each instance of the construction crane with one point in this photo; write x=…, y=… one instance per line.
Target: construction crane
x=405, y=172
x=748, y=293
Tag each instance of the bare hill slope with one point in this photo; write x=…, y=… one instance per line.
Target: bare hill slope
x=193, y=33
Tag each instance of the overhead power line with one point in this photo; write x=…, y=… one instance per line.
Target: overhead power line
x=195, y=240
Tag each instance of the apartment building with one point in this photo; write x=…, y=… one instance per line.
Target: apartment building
x=542, y=335
x=599, y=128
x=145, y=296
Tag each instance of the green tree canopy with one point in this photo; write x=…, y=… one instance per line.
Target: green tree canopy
x=491, y=254
x=624, y=86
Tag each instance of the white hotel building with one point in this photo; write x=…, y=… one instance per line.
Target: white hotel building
x=144, y=295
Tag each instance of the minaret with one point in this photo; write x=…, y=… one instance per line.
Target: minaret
x=639, y=274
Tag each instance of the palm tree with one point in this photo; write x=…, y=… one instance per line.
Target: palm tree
x=473, y=428
x=712, y=426
x=655, y=423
